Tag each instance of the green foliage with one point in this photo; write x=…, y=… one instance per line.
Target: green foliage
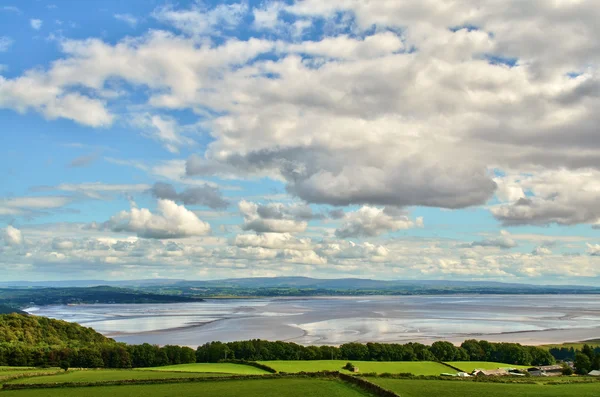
x=64, y=365
x=567, y=370
x=349, y=367
x=33, y=330
x=583, y=364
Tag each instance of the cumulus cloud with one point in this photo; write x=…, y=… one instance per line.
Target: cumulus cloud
x=272, y=241
x=13, y=236
x=593, y=249
x=504, y=241
x=200, y=20
x=173, y=221
x=372, y=221
x=274, y=217
x=561, y=196
x=542, y=251
x=201, y=195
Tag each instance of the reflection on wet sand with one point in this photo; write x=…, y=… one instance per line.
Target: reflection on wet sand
x=532, y=319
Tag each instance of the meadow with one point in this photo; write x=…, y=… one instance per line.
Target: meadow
x=226, y=368
x=469, y=366
x=101, y=375
x=232, y=388
x=422, y=388
x=413, y=367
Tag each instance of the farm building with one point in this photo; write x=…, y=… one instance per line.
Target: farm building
x=546, y=370
x=490, y=372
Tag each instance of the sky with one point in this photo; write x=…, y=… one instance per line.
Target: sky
x=436, y=139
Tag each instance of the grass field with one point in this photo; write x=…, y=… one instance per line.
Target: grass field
x=234, y=388
x=414, y=367
x=425, y=388
x=99, y=375
x=238, y=369
x=469, y=366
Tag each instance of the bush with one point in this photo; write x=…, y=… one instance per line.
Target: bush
x=567, y=370
x=349, y=367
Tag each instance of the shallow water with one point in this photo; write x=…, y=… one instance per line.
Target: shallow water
x=532, y=319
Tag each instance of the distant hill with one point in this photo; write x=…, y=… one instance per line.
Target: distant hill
x=162, y=290
x=33, y=331
x=4, y=309
x=22, y=297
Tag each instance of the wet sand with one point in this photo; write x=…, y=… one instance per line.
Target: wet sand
x=528, y=319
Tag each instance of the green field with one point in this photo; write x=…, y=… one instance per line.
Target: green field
x=426, y=388
x=227, y=368
x=233, y=388
x=100, y=375
x=414, y=367
x=469, y=366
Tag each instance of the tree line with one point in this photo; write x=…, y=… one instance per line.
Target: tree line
x=470, y=350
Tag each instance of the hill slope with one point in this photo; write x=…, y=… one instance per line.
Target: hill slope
x=33, y=331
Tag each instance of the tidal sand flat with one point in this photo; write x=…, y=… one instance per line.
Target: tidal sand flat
x=530, y=319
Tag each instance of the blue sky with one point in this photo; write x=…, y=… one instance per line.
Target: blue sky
x=204, y=140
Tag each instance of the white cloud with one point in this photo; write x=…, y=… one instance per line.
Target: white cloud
x=272, y=241
x=27, y=205
x=199, y=21
x=127, y=18
x=504, y=241
x=558, y=196
x=36, y=23
x=5, y=43
x=96, y=190
x=163, y=129
x=174, y=221
x=13, y=236
x=372, y=221
x=593, y=249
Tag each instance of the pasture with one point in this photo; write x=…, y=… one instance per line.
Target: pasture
x=232, y=388
x=101, y=375
x=225, y=368
x=395, y=367
x=423, y=388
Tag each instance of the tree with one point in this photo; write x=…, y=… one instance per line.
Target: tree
x=582, y=363
x=444, y=351
x=567, y=370
x=64, y=365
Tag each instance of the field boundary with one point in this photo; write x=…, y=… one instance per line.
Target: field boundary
x=254, y=364
x=451, y=366
x=367, y=386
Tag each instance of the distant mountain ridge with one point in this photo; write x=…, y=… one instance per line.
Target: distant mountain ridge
x=305, y=283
